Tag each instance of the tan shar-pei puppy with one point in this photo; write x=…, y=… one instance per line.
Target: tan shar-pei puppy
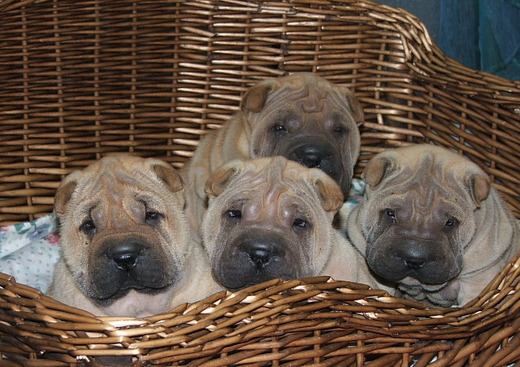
x=432, y=225
x=272, y=218
x=302, y=117
x=126, y=247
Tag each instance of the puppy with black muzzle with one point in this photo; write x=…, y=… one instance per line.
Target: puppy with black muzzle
x=126, y=249
x=432, y=225
x=302, y=117
x=272, y=218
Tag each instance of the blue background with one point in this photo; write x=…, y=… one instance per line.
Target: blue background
x=481, y=34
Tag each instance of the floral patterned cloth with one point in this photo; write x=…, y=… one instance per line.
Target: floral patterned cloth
x=29, y=251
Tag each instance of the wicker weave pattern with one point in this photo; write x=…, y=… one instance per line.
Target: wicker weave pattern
x=83, y=78
x=314, y=321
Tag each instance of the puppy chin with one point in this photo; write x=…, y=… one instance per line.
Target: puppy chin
x=411, y=282
x=137, y=304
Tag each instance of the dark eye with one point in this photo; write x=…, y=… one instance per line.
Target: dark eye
x=279, y=128
x=340, y=130
x=390, y=214
x=234, y=214
x=153, y=218
x=88, y=227
x=300, y=223
x=451, y=223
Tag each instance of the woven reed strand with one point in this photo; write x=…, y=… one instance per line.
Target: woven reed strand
x=82, y=79
x=313, y=320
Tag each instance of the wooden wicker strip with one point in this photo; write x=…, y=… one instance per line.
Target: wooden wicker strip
x=302, y=321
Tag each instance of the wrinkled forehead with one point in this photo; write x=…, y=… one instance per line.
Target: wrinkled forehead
x=269, y=181
x=308, y=97
x=427, y=192
x=110, y=189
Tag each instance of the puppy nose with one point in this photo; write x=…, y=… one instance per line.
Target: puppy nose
x=260, y=252
x=414, y=264
x=416, y=256
x=125, y=256
x=310, y=156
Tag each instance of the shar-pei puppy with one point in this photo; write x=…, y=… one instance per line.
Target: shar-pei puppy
x=432, y=225
x=125, y=245
x=302, y=117
x=272, y=218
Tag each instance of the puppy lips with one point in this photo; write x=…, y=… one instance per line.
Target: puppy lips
x=383, y=257
x=236, y=268
x=105, y=300
x=152, y=272
x=331, y=164
x=118, y=285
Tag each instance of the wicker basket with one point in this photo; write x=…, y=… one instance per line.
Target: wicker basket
x=83, y=78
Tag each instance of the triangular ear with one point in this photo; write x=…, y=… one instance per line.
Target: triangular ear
x=479, y=187
x=357, y=109
x=218, y=181
x=169, y=176
x=328, y=190
x=255, y=98
x=64, y=194
x=375, y=170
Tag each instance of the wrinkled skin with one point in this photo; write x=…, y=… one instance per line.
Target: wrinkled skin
x=431, y=225
x=272, y=218
x=301, y=117
x=125, y=244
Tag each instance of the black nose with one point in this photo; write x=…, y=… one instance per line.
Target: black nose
x=313, y=155
x=126, y=256
x=414, y=264
x=416, y=255
x=260, y=252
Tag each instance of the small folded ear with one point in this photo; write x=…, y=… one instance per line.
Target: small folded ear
x=328, y=190
x=357, y=109
x=218, y=181
x=479, y=186
x=64, y=194
x=376, y=170
x=255, y=98
x=169, y=176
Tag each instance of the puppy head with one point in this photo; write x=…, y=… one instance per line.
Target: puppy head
x=418, y=214
x=122, y=227
x=268, y=218
x=307, y=119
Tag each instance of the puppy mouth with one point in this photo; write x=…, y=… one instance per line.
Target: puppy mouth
x=255, y=257
x=411, y=282
x=107, y=299
x=323, y=156
x=402, y=259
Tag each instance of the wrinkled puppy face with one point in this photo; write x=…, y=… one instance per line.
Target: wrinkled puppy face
x=306, y=119
x=122, y=227
x=418, y=214
x=268, y=218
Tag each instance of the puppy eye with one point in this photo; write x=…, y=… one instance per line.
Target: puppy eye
x=153, y=218
x=88, y=227
x=279, y=128
x=339, y=130
x=234, y=214
x=451, y=223
x=300, y=223
x=390, y=214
